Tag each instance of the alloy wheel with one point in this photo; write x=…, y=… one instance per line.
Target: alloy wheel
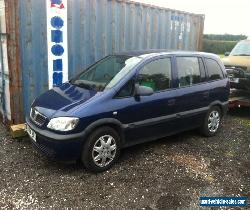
x=104, y=150
x=214, y=121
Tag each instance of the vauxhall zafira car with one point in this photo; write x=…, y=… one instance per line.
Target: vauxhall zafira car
x=127, y=99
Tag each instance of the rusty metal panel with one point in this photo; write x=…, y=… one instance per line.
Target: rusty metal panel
x=13, y=51
x=97, y=28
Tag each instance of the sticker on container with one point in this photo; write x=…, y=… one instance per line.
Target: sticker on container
x=57, y=42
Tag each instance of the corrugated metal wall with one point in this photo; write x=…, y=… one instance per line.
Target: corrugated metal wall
x=33, y=42
x=4, y=70
x=97, y=28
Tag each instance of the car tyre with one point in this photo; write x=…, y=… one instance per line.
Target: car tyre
x=212, y=122
x=101, y=150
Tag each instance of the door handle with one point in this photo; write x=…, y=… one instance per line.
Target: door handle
x=206, y=94
x=171, y=102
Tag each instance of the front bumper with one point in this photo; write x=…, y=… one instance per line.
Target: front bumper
x=63, y=147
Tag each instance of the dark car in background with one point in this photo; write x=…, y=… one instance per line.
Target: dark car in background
x=126, y=99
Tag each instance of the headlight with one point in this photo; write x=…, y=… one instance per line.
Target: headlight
x=63, y=123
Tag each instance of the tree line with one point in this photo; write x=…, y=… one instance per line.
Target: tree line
x=224, y=37
x=219, y=44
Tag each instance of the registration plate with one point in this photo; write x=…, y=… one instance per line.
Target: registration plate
x=31, y=133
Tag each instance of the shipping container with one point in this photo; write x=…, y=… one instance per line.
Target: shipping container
x=94, y=29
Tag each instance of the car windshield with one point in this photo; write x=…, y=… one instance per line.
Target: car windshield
x=106, y=73
x=241, y=49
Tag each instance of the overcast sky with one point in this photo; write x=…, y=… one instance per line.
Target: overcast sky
x=221, y=16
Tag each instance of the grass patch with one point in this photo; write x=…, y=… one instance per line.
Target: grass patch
x=247, y=123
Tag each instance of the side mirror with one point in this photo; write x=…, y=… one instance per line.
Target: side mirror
x=227, y=53
x=143, y=90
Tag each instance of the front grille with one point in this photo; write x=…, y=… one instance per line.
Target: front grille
x=37, y=117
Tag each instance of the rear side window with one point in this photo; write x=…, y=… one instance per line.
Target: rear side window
x=214, y=69
x=189, y=71
x=156, y=74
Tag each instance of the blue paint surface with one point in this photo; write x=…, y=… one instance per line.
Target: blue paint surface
x=57, y=50
x=56, y=1
x=56, y=36
x=57, y=22
x=57, y=78
x=57, y=65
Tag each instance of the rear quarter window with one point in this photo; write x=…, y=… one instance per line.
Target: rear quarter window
x=214, y=69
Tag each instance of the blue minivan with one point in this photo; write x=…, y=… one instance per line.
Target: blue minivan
x=127, y=99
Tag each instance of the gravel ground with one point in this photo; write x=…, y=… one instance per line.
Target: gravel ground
x=170, y=173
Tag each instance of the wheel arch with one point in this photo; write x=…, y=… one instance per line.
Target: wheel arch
x=110, y=122
x=222, y=106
